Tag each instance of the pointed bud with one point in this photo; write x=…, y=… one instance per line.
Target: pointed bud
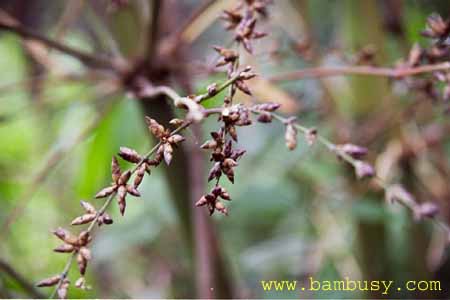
x=82, y=263
x=140, y=175
x=210, y=144
x=229, y=163
x=202, y=201
x=86, y=253
x=176, y=138
x=215, y=172
x=354, y=151
x=107, y=219
x=84, y=219
x=88, y=208
x=221, y=208
x=291, y=137
x=311, y=136
x=426, y=210
x=243, y=87
x=176, y=122
x=106, y=191
x=65, y=236
x=51, y=281
x=115, y=169
x=155, y=128
x=124, y=178
x=363, y=169
x=130, y=155
x=64, y=248
x=84, y=238
x=133, y=191
x=265, y=117
x=121, y=195
x=167, y=152
x=233, y=133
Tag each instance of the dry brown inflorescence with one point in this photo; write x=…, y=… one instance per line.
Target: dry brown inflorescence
x=224, y=156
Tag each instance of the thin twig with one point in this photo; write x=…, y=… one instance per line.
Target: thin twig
x=318, y=72
x=89, y=60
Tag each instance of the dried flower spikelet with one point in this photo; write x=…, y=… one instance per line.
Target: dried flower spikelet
x=84, y=238
x=84, y=219
x=80, y=283
x=425, y=210
x=243, y=87
x=265, y=117
x=107, y=219
x=51, y=281
x=436, y=27
x=168, y=153
x=130, y=155
x=202, y=201
x=64, y=248
x=221, y=208
x=115, y=169
x=311, y=136
x=290, y=136
x=354, y=151
x=212, y=89
x=106, y=191
x=176, y=138
x=133, y=191
x=88, y=208
x=215, y=171
x=414, y=55
x=210, y=144
x=268, y=106
x=176, y=122
x=140, y=173
x=124, y=178
x=82, y=263
x=155, y=128
x=86, y=253
x=363, y=169
x=121, y=195
x=65, y=236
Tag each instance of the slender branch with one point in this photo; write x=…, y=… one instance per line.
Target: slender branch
x=411, y=205
x=89, y=60
x=319, y=72
x=27, y=286
x=105, y=206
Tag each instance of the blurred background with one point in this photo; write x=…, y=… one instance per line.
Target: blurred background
x=293, y=215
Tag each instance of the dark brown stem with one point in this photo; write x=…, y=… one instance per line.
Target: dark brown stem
x=319, y=72
x=87, y=59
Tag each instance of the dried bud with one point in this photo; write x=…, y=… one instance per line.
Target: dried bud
x=354, y=151
x=221, y=208
x=86, y=253
x=140, y=175
x=82, y=263
x=243, y=87
x=84, y=219
x=133, y=191
x=124, y=178
x=265, y=117
x=414, y=55
x=168, y=153
x=107, y=219
x=229, y=163
x=106, y=191
x=426, y=210
x=51, y=281
x=215, y=171
x=176, y=122
x=155, y=128
x=229, y=173
x=211, y=144
x=311, y=136
x=89, y=208
x=129, y=155
x=84, y=238
x=437, y=27
x=115, y=169
x=232, y=132
x=121, y=195
x=176, y=138
x=290, y=136
x=269, y=106
x=80, y=283
x=65, y=236
x=64, y=248
x=201, y=202
x=363, y=169
x=212, y=89
x=62, y=290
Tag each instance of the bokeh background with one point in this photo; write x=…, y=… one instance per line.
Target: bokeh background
x=293, y=215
